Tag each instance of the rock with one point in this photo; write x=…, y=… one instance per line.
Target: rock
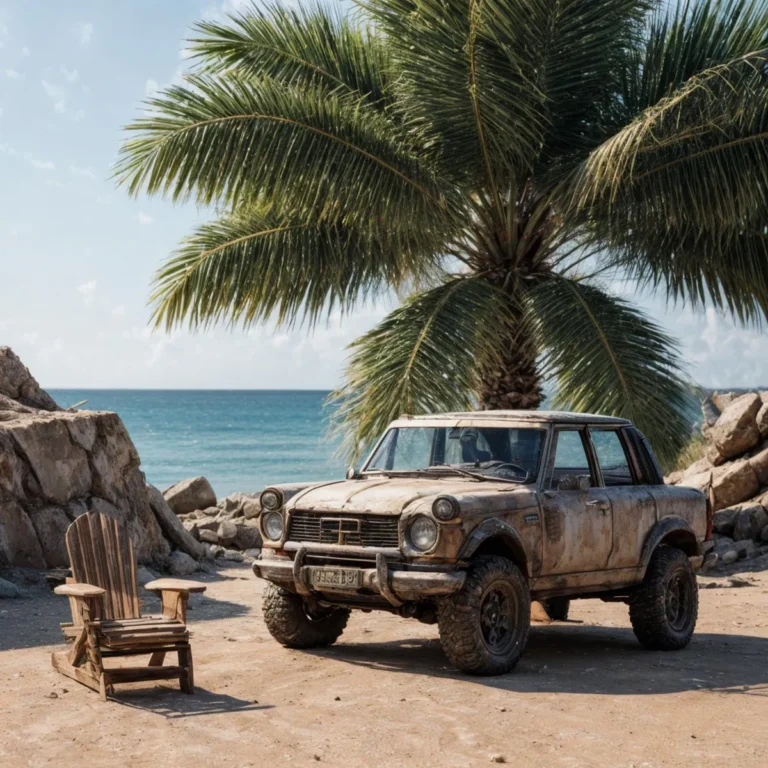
x=729, y=557
x=702, y=465
x=233, y=555
x=254, y=554
x=724, y=521
x=181, y=564
x=144, y=575
x=712, y=456
x=764, y=534
x=8, y=589
x=50, y=524
x=190, y=495
x=217, y=550
x=17, y=383
x=759, y=463
x=247, y=537
x=736, y=430
x=762, y=419
x=227, y=532
x=701, y=480
x=746, y=549
x=207, y=535
x=723, y=400
x=193, y=529
x=171, y=525
x=734, y=483
x=242, y=504
x=673, y=478
x=19, y=545
x=748, y=519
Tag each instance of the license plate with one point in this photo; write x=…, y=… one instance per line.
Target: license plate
x=336, y=578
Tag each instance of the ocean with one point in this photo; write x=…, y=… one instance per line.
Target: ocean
x=241, y=440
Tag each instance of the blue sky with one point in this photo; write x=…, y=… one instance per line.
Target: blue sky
x=77, y=255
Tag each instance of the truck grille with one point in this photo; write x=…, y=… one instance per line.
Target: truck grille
x=352, y=530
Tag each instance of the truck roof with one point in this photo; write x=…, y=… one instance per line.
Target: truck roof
x=559, y=417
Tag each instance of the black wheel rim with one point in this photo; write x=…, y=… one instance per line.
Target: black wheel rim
x=498, y=618
x=678, y=601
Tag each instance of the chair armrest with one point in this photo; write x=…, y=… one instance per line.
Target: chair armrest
x=175, y=585
x=79, y=590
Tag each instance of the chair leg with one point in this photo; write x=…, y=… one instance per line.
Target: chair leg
x=157, y=659
x=103, y=687
x=187, y=677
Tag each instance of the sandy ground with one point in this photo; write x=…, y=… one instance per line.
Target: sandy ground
x=585, y=694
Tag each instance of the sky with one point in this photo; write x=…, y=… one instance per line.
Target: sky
x=77, y=255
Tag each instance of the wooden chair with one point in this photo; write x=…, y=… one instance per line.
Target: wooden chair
x=106, y=621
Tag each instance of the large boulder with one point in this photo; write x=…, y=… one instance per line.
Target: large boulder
x=173, y=527
x=759, y=463
x=734, y=483
x=55, y=465
x=749, y=522
x=189, y=495
x=735, y=432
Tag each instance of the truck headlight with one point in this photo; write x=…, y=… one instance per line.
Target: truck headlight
x=423, y=533
x=271, y=500
x=272, y=523
x=445, y=508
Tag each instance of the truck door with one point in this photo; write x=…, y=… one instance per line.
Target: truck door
x=632, y=504
x=578, y=527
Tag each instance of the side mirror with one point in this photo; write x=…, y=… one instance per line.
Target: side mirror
x=573, y=483
x=352, y=474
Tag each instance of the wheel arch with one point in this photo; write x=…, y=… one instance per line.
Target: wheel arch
x=496, y=537
x=672, y=531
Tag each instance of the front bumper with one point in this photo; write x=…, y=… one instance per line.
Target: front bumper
x=395, y=585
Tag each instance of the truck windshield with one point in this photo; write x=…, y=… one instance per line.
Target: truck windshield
x=511, y=454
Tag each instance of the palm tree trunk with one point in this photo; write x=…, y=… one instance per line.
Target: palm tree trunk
x=514, y=382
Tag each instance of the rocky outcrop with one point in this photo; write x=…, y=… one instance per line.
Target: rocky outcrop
x=57, y=464
x=734, y=473
x=189, y=495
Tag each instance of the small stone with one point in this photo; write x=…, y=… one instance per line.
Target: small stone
x=210, y=537
x=217, y=551
x=227, y=532
x=729, y=557
x=181, y=564
x=338, y=698
x=233, y=555
x=498, y=759
x=52, y=695
x=8, y=589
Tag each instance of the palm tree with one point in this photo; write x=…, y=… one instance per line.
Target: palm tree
x=497, y=162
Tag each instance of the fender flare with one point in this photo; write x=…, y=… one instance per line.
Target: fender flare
x=660, y=530
x=495, y=529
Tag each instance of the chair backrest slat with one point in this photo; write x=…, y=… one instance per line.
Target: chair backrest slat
x=101, y=554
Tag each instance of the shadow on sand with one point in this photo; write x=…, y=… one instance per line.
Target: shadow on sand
x=572, y=658
x=172, y=704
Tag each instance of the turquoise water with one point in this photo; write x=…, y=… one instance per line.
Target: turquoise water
x=239, y=440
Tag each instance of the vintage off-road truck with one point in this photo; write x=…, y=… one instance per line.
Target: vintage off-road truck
x=463, y=518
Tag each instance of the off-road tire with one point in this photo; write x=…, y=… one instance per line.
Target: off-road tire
x=461, y=624
x=663, y=610
x=287, y=620
x=557, y=608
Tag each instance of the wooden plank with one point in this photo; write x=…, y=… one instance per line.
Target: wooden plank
x=136, y=674
x=134, y=580
x=79, y=590
x=175, y=585
x=100, y=563
x=109, y=543
x=60, y=664
x=108, y=652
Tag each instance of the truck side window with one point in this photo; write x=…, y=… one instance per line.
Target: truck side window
x=570, y=457
x=611, y=457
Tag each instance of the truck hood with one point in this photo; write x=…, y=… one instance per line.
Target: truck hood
x=388, y=496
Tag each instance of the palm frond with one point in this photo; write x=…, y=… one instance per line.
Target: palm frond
x=686, y=38
x=312, y=45
x=608, y=358
x=257, y=265
x=426, y=356
x=225, y=140
x=697, y=158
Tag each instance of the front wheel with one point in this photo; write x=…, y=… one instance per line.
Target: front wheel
x=292, y=625
x=484, y=627
x=663, y=610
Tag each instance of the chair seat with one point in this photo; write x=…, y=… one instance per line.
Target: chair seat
x=147, y=631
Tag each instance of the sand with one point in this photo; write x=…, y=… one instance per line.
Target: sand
x=584, y=694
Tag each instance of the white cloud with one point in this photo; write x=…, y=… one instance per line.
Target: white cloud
x=144, y=218
x=70, y=75
x=41, y=165
x=12, y=74
x=76, y=170
x=85, y=32
x=57, y=94
x=151, y=87
x=6, y=149
x=25, y=51
x=88, y=292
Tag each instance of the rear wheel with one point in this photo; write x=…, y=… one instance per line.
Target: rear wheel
x=557, y=608
x=292, y=624
x=484, y=626
x=664, y=609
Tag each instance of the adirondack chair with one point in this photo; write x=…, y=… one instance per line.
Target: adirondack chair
x=106, y=620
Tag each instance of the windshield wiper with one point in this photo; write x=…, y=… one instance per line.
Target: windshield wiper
x=467, y=473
